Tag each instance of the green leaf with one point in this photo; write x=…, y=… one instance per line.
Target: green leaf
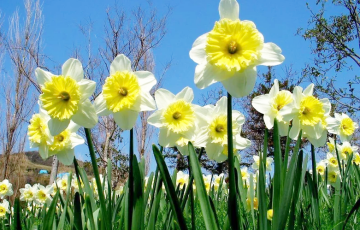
x=49, y=217
x=138, y=220
x=207, y=212
x=170, y=190
x=77, y=212
x=278, y=185
x=17, y=215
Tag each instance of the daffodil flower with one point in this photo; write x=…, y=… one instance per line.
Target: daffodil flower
x=125, y=93
x=345, y=150
x=4, y=208
x=332, y=161
x=39, y=133
x=333, y=175
x=270, y=105
x=182, y=179
x=176, y=117
x=64, y=144
x=342, y=125
x=307, y=113
x=5, y=189
x=231, y=51
x=214, y=133
x=28, y=193
x=42, y=196
x=66, y=97
x=256, y=164
x=331, y=145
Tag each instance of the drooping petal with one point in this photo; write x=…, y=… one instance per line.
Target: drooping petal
x=295, y=129
x=87, y=88
x=241, y=143
x=187, y=94
x=270, y=55
x=262, y=104
x=56, y=126
x=326, y=105
x=214, y=152
x=86, y=115
x=229, y=9
x=120, y=63
x=100, y=106
x=168, y=138
x=147, y=102
x=73, y=68
x=204, y=76
x=269, y=121
x=42, y=76
x=197, y=52
x=242, y=83
x=155, y=119
x=163, y=98
x=76, y=140
x=146, y=80
x=73, y=127
x=66, y=157
x=126, y=119
x=288, y=112
x=43, y=151
x=283, y=128
x=318, y=142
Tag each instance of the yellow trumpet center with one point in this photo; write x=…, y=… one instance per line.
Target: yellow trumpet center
x=61, y=141
x=311, y=111
x=179, y=116
x=234, y=45
x=61, y=97
x=347, y=126
x=121, y=90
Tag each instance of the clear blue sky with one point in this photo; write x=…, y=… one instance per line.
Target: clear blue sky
x=277, y=20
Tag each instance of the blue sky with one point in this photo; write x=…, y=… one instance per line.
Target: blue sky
x=277, y=20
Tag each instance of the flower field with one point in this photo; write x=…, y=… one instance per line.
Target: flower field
x=285, y=188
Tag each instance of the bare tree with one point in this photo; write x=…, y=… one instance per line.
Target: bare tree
x=22, y=44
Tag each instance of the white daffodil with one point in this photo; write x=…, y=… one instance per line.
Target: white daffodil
x=217, y=180
x=332, y=161
x=125, y=93
x=176, y=117
x=345, y=150
x=42, y=195
x=4, y=208
x=39, y=133
x=62, y=183
x=256, y=164
x=64, y=144
x=356, y=158
x=182, y=179
x=5, y=189
x=75, y=184
x=245, y=174
x=230, y=52
x=28, y=193
x=66, y=97
x=214, y=133
x=307, y=113
x=333, y=175
x=207, y=182
x=342, y=125
x=270, y=105
x=321, y=167
x=331, y=145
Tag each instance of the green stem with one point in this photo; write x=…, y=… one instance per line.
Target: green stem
x=232, y=205
x=96, y=174
x=131, y=178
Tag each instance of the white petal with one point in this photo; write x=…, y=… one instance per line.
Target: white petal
x=197, y=52
x=214, y=152
x=270, y=55
x=310, y=131
x=43, y=151
x=147, y=102
x=42, y=76
x=283, y=128
x=187, y=94
x=241, y=143
x=73, y=127
x=146, y=80
x=73, y=68
x=56, y=126
x=120, y=63
x=76, y=140
x=241, y=84
x=229, y=9
x=274, y=89
x=168, y=138
x=298, y=95
x=155, y=119
x=269, y=121
x=318, y=142
x=326, y=105
x=163, y=98
x=184, y=150
x=126, y=119
x=100, y=106
x=288, y=112
x=295, y=129
x=86, y=115
x=66, y=157
x=309, y=90
x=262, y=104
x=87, y=88
x=204, y=76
